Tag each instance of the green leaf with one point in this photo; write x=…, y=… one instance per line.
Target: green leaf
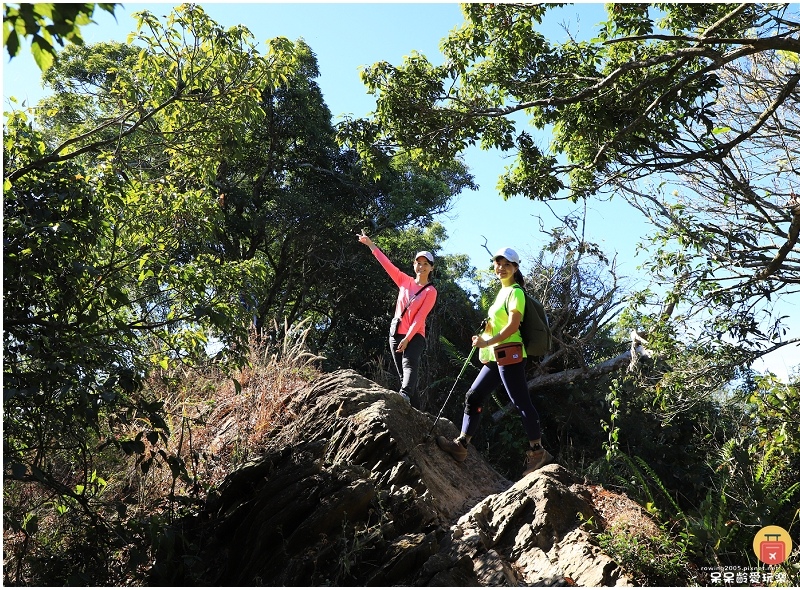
x=131, y=447
x=42, y=52
x=30, y=524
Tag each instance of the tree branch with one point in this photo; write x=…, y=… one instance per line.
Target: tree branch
x=783, y=252
x=55, y=155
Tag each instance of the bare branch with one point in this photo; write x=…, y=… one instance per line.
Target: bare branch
x=783, y=252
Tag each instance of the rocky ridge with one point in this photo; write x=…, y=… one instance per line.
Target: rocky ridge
x=354, y=491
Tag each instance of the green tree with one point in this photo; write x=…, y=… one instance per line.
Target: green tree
x=167, y=181
x=289, y=199
x=46, y=23
x=698, y=100
x=294, y=200
x=104, y=277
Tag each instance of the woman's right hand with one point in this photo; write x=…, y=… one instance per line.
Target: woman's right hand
x=478, y=342
x=364, y=239
x=477, y=339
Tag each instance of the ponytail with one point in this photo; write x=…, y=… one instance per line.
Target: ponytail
x=518, y=278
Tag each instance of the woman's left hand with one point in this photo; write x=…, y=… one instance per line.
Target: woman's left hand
x=402, y=345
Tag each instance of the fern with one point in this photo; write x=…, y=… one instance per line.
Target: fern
x=452, y=352
x=661, y=487
x=636, y=472
x=788, y=494
x=756, y=485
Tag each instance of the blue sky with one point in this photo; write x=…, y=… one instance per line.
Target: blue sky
x=344, y=38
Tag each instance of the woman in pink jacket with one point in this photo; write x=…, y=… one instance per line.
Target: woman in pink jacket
x=414, y=302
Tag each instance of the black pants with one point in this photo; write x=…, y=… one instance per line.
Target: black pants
x=407, y=364
x=513, y=379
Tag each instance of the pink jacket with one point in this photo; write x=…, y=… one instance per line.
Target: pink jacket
x=413, y=320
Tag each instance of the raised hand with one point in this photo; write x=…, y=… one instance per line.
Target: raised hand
x=364, y=239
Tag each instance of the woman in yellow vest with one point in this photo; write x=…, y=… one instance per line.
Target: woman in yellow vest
x=503, y=356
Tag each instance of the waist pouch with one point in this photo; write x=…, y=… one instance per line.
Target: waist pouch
x=509, y=353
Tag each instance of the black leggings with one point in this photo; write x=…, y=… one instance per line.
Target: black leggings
x=513, y=379
x=407, y=364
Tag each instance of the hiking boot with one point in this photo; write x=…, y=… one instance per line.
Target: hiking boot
x=455, y=447
x=536, y=459
x=404, y=396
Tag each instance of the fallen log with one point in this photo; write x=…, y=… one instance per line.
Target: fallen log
x=628, y=358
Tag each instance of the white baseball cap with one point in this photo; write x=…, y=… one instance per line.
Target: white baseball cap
x=508, y=254
x=426, y=254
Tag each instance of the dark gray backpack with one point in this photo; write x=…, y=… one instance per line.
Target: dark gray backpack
x=534, y=328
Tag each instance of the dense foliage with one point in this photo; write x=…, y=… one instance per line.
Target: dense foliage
x=168, y=191
x=45, y=24
x=183, y=194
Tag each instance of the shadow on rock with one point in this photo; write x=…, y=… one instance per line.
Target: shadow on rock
x=355, y=492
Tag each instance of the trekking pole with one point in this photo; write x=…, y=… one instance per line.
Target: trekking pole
x=464, y=368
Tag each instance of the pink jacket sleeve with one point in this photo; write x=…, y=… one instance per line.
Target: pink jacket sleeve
x=400, y=278
x=420, y=307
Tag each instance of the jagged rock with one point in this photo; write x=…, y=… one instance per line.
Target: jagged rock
x=530, y=535
x=355, y=492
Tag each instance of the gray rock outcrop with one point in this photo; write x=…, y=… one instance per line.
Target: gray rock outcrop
x=354, y=492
